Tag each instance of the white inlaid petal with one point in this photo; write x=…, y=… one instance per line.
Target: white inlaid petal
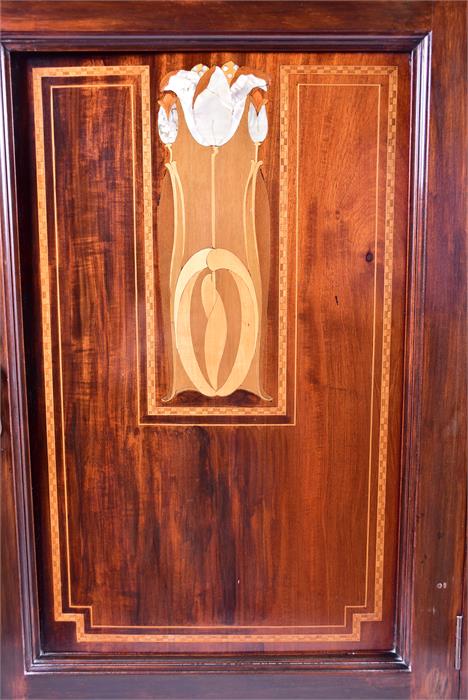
x=184, y=84
x=168, y=126
x=239, y=91
x=258, y=124
x=245, y=84
x=212, y=110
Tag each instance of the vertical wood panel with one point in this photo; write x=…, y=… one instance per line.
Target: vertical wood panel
x=441, y=510
x=432, y=651
x=132, y=503
x=339, y=320
x=93, y=135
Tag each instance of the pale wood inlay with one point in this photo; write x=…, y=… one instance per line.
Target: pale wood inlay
x=78, y=618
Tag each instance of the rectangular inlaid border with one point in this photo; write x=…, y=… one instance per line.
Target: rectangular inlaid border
x=38, y=74
x=78, y=618
x=198, y=414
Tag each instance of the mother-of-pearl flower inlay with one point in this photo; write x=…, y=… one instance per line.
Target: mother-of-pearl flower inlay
x=213, y=102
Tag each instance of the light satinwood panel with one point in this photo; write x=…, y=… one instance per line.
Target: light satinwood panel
x=228, y=537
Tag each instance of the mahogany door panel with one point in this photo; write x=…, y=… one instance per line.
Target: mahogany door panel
x=252, y=521
x=218, y=266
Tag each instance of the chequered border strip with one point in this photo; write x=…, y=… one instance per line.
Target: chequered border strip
x=339, y=70
x=47, y=341
x=234, y=638
x=148, y=240
x=82, y=635
x=386, y=344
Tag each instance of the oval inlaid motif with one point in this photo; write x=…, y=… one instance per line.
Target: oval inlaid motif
x=213, y=259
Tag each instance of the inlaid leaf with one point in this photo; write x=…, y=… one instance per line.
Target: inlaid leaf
x=215, y=339
x=208, y=294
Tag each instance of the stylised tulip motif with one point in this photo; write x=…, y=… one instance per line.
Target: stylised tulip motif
x=213, y=101
x=215, y=293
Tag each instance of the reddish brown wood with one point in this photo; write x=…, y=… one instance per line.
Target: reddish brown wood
x=212, y=17
x=17, y=542
x=90, y=246
x=441, y=510
x=13, y=682
x=439, y=542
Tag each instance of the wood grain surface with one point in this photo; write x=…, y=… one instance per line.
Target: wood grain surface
x=262, y=564
x=215, y=545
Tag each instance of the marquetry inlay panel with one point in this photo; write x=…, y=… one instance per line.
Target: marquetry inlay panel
x=273, y=403
x=215, y=285
x=215, y=325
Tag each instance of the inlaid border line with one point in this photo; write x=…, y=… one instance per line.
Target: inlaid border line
x=48, y=377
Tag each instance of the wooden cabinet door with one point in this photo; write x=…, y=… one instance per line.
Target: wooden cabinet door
x=229, y=396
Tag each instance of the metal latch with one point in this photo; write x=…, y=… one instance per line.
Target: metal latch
x=458, y=642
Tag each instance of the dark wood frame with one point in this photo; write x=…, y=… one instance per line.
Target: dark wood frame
x=436, y=282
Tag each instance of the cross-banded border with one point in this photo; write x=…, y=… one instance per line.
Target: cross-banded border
x=143, y=73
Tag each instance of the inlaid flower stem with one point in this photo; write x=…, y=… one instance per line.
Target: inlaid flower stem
x=214, y=153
